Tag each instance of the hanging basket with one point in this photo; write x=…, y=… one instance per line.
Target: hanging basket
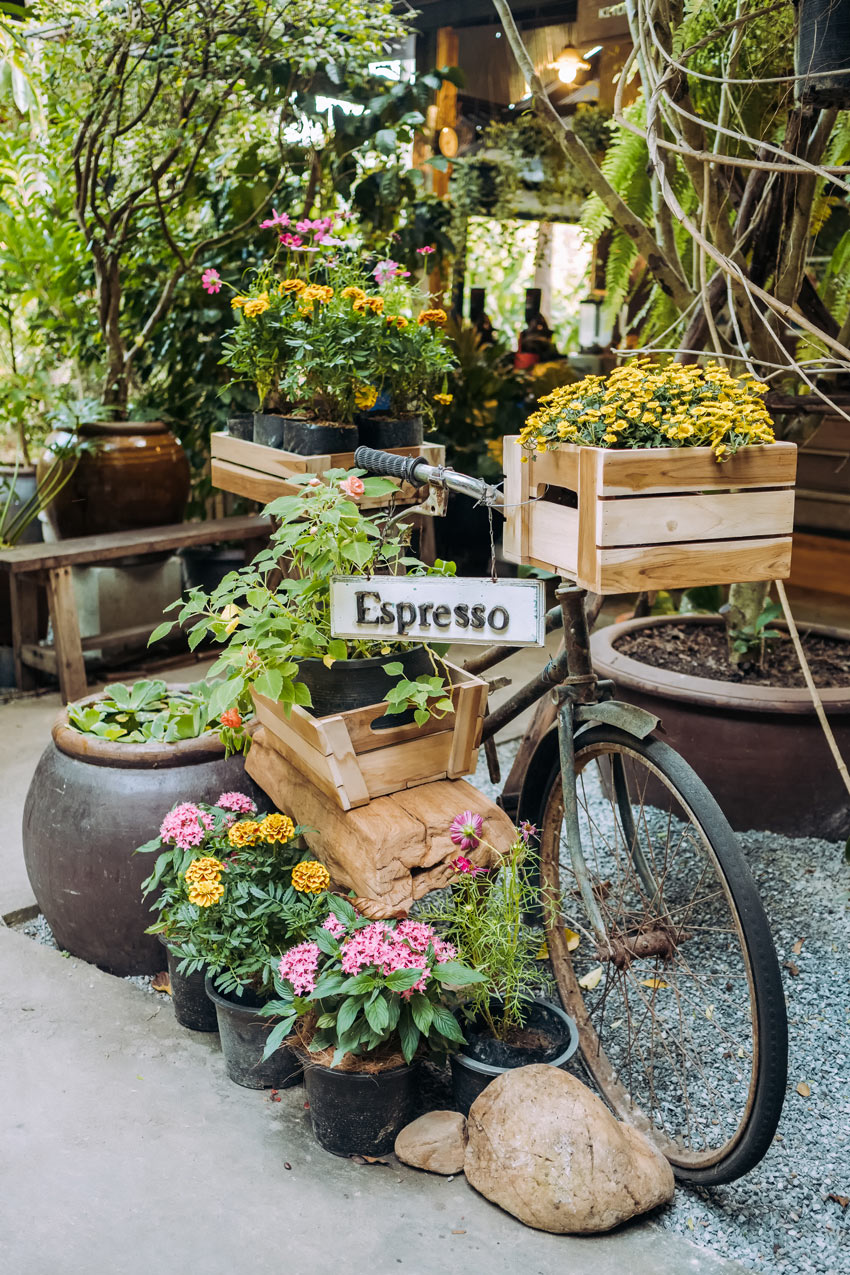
x=622, y=520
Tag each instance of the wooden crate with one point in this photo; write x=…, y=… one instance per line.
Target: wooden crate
x=265, y=473
x=352, y=763
x=661, y=518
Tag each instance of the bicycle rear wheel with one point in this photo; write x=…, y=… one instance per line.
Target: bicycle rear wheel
x=681, y=1011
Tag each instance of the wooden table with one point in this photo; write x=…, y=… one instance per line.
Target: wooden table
x=35, y=567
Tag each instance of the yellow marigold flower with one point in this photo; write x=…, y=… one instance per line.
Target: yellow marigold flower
x=205, y=869
x=311, y=877
x=365, y=396
x=287, y=286
x=205, y=893
x=375, y=304
x=432, y=316
x=355, y=294
x=443, y=399
x=276, y=828
x=244, y=833
x=317, y=292
x=256, y=305
x=237, y=302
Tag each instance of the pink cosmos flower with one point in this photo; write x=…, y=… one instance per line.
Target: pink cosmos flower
x=466, y=866
x=328, y=241
x=185, y=826
x=426, y=252
x=527, y=830
x=299, y=966
x=237, y=802
x=465, y=830
x=352, y=486
x=276, y=219
x=304, y=225
x=211, y=280
x=386, y=270
x=291, y=241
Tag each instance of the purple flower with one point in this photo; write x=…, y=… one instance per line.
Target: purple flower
x=465, y=830
x=527, y=830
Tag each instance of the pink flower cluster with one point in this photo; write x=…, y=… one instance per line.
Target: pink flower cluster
x=185, y=826
x=318, y=227
x=334, y=926
x=389, y=949
x=237, y=802
x=299, y=965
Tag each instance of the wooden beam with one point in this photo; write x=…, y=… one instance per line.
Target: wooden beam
x=70, y=666
x=821, y=563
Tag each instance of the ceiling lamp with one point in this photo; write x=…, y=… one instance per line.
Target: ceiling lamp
x=569, y=62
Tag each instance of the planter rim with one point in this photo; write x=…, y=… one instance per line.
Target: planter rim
x=372, y=661
x=107, y=752
x=714, y=693
x=218, y=999
x=489, y=1069
x=99, y=428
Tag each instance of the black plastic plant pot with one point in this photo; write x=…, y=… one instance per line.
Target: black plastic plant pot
x=357, y=683
x=268, y=429
x=243, y=1032
x=381, y=430
x=307, y=439
x=241, y=426
x=358, y=1112
x=192, y=1007
x=471, y=1075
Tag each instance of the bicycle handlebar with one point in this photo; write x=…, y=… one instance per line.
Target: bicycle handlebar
x=416, y=471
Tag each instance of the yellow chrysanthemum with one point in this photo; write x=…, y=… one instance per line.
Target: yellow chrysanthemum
x=276, y=828
x=256, y=305
x=244, y=833
x=205, y=893
x=365, y=396
x=205, y=869
x=287, y=286
x=311, y=877
x=432, y=316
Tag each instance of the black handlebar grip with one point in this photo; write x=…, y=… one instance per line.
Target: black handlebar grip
x=403, y=467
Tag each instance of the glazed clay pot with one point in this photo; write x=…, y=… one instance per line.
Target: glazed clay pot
x=90, y=804
x=759, y=749
x=135, y=476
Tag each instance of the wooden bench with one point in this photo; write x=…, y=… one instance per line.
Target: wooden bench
x=35, y=567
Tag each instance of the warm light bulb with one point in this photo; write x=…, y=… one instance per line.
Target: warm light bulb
x=567, y=70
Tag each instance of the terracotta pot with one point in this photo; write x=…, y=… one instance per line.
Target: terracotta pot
x=90, y=804
x=136, y=475
x=760, y=749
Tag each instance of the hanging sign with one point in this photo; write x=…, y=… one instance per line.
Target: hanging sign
x=439, y=609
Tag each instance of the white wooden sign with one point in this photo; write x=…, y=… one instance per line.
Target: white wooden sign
x=439, y=609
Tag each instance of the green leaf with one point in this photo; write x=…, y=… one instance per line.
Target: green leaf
x=270, y=683
x=347, y=1013
x=277, y=1035
x=377, y=1015
x=421, y=716
x=423, y=1012
x=409, y=1034
x=456, y=974
x=160, y=631
x=386, y=141
x=401, y=980
x=394, y=670
x=446, y=1023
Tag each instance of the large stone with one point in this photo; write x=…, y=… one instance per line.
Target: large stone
x=546, y=1149
x=436, y=1142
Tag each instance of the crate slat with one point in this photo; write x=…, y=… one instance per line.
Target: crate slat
x=672, y=518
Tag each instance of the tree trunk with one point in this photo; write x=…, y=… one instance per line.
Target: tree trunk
x=746, y=603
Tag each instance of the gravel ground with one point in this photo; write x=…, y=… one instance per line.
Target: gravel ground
x=779, y=1219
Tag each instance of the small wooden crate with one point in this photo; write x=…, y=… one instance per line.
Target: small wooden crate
x=352, y=763
x=265, y=473
x=617, y=521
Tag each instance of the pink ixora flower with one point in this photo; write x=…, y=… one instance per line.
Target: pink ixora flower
x=299, y=966
x=426, y=251
x=237, y=802
x=334, y=926
x=276, y=219
x=185, y=826
x=465, y=830
x=352, y=486
x=211, y=280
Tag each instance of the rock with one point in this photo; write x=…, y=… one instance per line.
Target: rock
x=546, y=1149
x=436, y=1142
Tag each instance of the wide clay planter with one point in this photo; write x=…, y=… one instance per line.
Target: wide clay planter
x=471, y=1076
x=759, y=749
x=135, y=476
x=90, y=804
x=359, y=1112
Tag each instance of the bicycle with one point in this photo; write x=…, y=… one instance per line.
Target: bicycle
x=656, y=934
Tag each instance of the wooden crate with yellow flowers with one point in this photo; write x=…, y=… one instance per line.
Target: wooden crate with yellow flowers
x=654, y=477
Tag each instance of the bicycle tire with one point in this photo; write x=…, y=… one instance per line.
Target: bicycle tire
x=669, y=773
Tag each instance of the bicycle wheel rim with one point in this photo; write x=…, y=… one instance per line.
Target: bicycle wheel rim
x=751, y=1114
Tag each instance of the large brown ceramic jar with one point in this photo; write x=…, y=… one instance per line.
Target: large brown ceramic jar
x=135, y=475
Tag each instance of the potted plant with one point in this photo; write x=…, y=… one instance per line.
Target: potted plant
x=364, y=999
x=228, y=909
x=273, y=615
x=505, y=1020
x=111, y=759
